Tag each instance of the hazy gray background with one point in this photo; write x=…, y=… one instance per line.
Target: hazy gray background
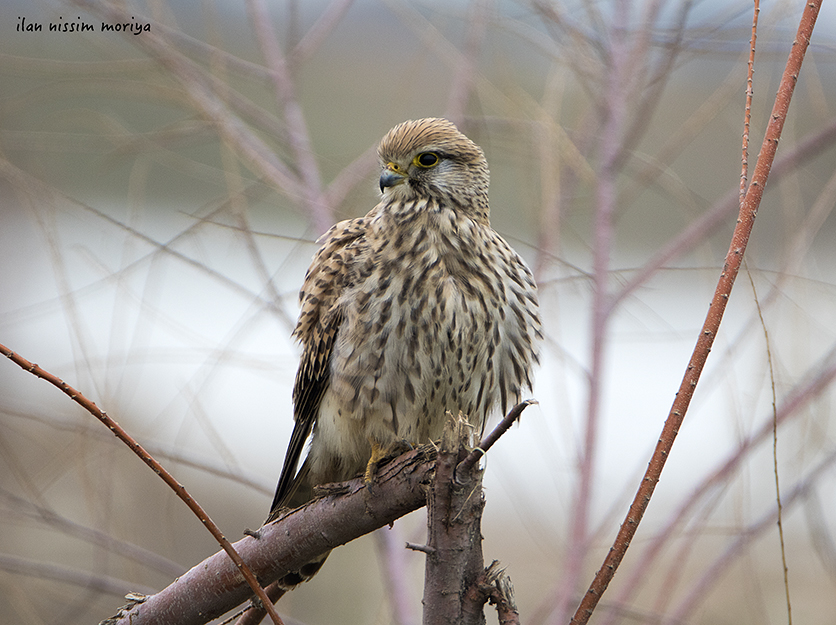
x=151, y=266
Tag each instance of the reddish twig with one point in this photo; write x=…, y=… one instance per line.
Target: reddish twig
x=731, y=267
x=747, y=113
x=823, y=373
x=134, y=446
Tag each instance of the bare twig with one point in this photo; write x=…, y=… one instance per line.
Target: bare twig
x=421, y=548
x=613, y=101
x=823, y=373
x=714, y=573
x=14, y=565
x=134, y=446
x=734, y=258
x=774, y=447
x=747, y=113
x=486, y=443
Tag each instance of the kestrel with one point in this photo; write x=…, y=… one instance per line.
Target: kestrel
x=416, y=309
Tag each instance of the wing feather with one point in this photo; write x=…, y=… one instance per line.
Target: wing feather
x=319, y=323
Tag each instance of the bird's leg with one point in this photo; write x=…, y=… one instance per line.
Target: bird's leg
x=378, y=453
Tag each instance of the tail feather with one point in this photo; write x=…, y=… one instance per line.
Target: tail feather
x=297, y=494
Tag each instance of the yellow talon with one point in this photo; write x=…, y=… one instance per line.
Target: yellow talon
x=377, y=455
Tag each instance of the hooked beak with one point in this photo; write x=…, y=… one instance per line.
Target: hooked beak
x=392, y=176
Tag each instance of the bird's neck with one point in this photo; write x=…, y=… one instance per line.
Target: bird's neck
x=438, y=214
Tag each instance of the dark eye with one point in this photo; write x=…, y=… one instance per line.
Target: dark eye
x=427, y=159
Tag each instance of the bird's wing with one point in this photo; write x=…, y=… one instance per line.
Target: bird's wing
x=319, y=322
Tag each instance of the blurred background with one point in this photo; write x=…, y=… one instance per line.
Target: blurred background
x=161, y=191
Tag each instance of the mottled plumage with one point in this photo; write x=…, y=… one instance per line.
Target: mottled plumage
x=416, y=309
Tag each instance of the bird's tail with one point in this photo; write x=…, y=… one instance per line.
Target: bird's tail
x=298, y=494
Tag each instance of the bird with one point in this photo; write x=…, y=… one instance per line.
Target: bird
x=417, y=309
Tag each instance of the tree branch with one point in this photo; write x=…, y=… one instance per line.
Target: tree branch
x=213, y=586
x=486, y=443
x=734, y=258
x=454, y=521
x=167, y=477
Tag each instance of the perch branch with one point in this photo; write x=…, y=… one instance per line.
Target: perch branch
x=454, y=515
x=212, y=587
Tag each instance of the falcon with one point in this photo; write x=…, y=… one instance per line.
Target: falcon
x=416, y=309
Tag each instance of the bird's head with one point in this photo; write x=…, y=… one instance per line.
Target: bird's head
x=430, y=158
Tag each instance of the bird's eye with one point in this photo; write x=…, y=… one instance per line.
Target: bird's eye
x=426, y=159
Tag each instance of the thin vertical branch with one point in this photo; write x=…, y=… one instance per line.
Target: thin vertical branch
x=551, y=172
x=731, y=267
x=714, y=573
x=774, y=447
x=393, y=563
x=747, y=114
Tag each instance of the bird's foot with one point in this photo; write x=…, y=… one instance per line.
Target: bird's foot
x=382, y=455
x=378, y=454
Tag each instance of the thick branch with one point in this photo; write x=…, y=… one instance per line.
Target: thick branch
x=214, y=587
x=454, y=516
